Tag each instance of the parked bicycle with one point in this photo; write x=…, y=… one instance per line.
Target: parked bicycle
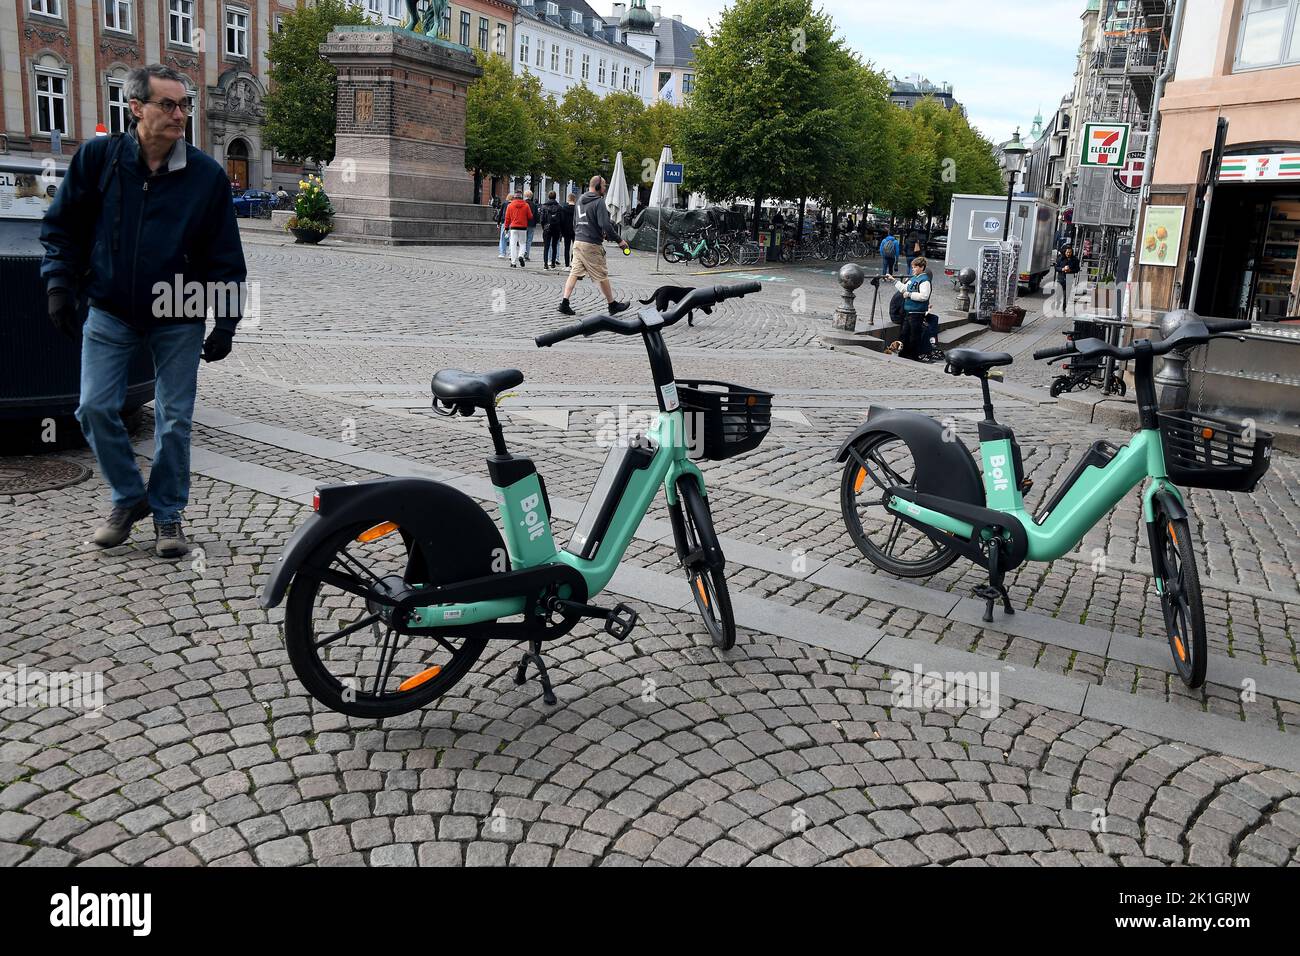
x=913, y=499
x=395, y=585
x=701, y=244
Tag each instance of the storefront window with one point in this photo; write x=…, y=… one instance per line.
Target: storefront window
x=1270, y=34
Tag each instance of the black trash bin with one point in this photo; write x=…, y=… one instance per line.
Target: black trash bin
x=40, y=370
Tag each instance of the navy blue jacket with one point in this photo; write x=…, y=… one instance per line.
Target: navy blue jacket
x=144, y=229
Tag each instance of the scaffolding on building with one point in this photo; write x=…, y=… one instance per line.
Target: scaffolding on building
x=1132, y=48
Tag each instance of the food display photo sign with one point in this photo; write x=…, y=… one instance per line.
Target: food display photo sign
x=1162, y=231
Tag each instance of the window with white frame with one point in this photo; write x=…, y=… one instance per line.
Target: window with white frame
x=600, y=71
x=51, y=99
x=117, y=15
x=192, y=120
x=523, y=48
x=541, y=53
x=502, y=42
x=237, y=32
x=627, y=77
x=483, y=33
x=444, y=28
x=375, y=8
x=555, y=57
x=688, y=83
x=586, y=66
x=119, y=109
x=1269, y=34
x=180, y=22
x=568, y=61
x=636, y=82
x=464, y=27
x=50, y=8
x=395, y=11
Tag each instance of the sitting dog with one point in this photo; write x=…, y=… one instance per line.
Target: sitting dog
x=667, y=295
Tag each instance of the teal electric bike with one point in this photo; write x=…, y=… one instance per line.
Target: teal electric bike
x=395, y=585
x=914, y=501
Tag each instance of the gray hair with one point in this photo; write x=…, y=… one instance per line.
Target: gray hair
x=137, y=81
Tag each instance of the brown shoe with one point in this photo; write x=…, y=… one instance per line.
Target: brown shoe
x=117, y=526
x=170, y=540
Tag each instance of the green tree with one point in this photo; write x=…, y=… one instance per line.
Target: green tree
x=963, y=160
x=589, y=144
x=498, y=125
x=763, y=112
x=300, y=105
x=908, y=189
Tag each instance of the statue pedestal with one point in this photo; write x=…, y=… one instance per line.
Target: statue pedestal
x=398, y=174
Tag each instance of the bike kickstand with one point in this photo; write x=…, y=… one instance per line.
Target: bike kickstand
x=995, y=589
x=534, y=656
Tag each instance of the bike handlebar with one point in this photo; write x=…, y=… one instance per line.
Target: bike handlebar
x=1193, y=331
x=695, y=299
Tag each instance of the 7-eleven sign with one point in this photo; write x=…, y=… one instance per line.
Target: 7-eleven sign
x=1104, y=144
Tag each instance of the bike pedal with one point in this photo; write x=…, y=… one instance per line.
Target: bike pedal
x=620, y=621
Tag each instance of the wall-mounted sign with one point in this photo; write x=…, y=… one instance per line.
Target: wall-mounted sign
x=1129, y=176
x=26, y=195
x=1162, y=231
x=1249, y=169
x=1104, y=144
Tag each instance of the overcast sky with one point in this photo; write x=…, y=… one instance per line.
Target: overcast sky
x=1004, y=59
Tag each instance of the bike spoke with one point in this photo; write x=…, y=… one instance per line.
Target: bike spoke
x=894, y=532
x=352, y=628
x=388, y=647
x=352, y=564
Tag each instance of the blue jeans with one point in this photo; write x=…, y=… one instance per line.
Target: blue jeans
x=505, y=240
x=888, y=264
x=529, y=241
x=107, y=344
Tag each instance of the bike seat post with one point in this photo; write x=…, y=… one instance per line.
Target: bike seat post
x=494, y=428
x=988, y=401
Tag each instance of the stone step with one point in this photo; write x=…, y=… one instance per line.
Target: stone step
x=396, y=230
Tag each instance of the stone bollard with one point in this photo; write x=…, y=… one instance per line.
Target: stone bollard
x=965, y=286
x=1172, y=382
x=846, y=316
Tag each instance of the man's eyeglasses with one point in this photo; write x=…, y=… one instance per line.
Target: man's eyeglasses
x=171, y=106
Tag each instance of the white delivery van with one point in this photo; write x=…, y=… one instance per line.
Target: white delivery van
x=976, y=221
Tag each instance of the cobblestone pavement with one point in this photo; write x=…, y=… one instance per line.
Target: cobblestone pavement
x=795, y=747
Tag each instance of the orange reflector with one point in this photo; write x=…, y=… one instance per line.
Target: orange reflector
x=1171, y=532
x=1178, y=646
x=857, y=482
x=377, y=532
x=751, y=400
x=704, y=595
x=425, y=675
x=1207, y=432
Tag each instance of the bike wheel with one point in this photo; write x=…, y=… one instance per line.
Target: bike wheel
x=708, y=585
x=1058, y=386
x=709, y=257
x=1180, y=597
x=670, y=252
x=724, y=253
x=875, y=463
x=339, y=640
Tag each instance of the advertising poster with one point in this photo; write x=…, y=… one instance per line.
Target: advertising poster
x=1162, y=231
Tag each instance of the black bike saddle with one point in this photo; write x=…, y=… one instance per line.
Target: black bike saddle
x=971, y=362
x=453, y=386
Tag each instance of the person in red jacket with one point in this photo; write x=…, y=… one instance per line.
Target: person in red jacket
x=518, y=217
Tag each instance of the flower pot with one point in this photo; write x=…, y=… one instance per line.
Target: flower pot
x=1019, y=314
x=1003, y=321
x=308, y=236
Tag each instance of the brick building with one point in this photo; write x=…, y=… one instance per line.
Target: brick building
x=63, y=64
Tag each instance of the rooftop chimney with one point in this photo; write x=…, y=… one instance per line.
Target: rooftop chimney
x=655, y=11
x=677, y=17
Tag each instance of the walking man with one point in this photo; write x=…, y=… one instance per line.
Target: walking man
x=550, y=217
x=566, y=226
x=517, y=222
x=532, y=223
x=592, y=226
x=501, y=224
x=889, y=254
x=135, y=267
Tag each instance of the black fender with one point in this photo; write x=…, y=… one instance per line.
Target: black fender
x=690, y=494
x=456, y=537
x=1166, y=501
x=944, y=467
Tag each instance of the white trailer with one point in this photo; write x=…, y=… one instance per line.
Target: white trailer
x=975, y=221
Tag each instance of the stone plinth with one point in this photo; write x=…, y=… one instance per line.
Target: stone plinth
x=398, y=174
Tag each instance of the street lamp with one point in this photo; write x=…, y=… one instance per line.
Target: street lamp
x=1013, y=161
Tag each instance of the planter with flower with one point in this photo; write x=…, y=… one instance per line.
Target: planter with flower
x=313, y=216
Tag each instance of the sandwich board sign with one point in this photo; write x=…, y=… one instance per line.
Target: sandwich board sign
x=1105, y=144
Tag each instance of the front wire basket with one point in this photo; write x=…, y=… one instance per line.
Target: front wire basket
x=1202, y=451
x=723, y=420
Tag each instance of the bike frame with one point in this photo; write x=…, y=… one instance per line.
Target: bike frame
x=1093, y=493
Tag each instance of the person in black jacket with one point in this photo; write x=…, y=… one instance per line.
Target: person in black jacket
x=1067, y=268
x=145, y=221
x=549, y=215
x=566, y=227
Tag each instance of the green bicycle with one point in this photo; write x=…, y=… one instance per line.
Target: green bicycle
x=913, y=500
x=396, y=585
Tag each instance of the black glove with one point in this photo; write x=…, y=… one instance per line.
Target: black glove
x=63, y=312
x=217, y=345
